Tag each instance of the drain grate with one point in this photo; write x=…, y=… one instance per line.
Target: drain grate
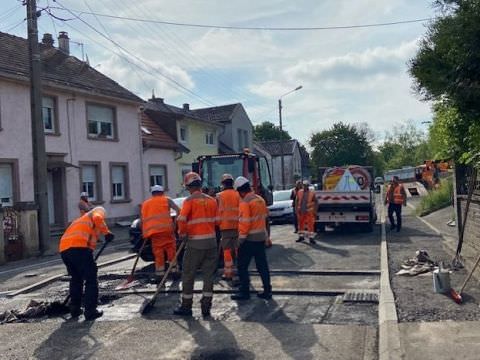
x=360, y=296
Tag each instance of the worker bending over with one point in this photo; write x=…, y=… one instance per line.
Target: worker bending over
x=158, y=226
x=306, y=209
x=196, y=225
x=84, y=205
x=76, y=248
x=227, y=220
x=252, y=237
x=395, y=198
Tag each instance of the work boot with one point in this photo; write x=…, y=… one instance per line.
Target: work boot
x=175, y=273
x=76, y=312
x=185, y=309
x=398, y=228
x=300, y=239
x=392, y=227
x=93, y=315
x=312, y=241
x=266, y=295
x=240, y=296
x=206, y=305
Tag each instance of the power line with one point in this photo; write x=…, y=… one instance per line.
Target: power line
x=262, y=28
x=137, y=58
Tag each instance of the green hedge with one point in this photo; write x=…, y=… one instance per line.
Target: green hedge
x=436, y=199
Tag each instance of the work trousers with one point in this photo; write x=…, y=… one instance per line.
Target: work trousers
x=82, y=269
x=397, y=209
x=247, y=251
x=163, y=243
x=306, y=221
x=206, y=261
x=229, y=245
x=295, y=221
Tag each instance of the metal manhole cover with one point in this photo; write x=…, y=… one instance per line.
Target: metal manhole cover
x=360, y=296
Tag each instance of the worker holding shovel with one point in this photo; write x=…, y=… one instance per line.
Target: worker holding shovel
x=76, y=248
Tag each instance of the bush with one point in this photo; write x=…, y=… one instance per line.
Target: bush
x=436, y=199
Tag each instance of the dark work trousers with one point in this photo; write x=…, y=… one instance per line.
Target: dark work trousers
x=82, y=268
x=295, y=220
x=397, y=209
x=247, y=251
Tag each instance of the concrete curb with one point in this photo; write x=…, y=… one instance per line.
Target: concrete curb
x=389, y=342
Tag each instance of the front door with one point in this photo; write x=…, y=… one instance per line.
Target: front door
x=55, y=191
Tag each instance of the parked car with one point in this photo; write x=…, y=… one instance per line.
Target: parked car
x=377, y=183
x=281, y=211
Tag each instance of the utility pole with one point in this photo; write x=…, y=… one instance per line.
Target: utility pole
x=282, y=160
x=38, y=134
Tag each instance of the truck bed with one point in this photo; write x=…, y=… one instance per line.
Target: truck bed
x=343, y=197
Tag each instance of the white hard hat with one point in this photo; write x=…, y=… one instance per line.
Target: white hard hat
x=306, y=182
x=156, y=188
x=84, y=194
x=99, y=209
x=191, y=177
x=226, y=177
x=239, y=182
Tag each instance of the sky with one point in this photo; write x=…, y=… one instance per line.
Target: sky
x=352, y=75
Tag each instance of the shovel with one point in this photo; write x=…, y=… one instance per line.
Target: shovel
x=148, y=304
x=457, y=296
x=128, y=282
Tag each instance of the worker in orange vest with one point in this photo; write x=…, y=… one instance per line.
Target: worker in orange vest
x=306, y=209
x=84, y=205
x=252, y=229
x=395, y=198
x=76, y=248
x=158, y=226
x=227, y=220
x=196, y=226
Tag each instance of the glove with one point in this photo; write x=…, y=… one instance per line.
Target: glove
x=109, y=237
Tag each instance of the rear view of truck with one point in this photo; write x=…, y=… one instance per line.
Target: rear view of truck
x=346, y=198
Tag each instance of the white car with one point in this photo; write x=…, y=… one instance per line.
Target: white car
x=281, y=210
x=179, y=202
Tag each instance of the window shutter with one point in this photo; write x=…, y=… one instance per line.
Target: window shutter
x=6, y=183
x=117, y=175
x=157, y=170
x=100, y=113
x=89, y=173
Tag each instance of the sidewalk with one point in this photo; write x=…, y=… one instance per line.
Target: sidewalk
x=432, y=326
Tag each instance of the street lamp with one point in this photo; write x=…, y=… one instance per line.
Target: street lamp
x=281, y=133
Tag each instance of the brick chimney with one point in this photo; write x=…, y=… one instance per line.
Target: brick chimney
x=186, y=107
x=47, y=40
x=64, y=42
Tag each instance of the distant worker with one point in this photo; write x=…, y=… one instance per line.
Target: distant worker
x=227, y=219
x=196, y=225
x=158, y=226
x=306, y=208
x=253, y=236
x=293, y=197
x=395, y=198
x=76, y=248
x=84, y=205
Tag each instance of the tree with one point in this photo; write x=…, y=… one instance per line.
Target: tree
x=341, y=145
x=446, y=70
x=267, y=131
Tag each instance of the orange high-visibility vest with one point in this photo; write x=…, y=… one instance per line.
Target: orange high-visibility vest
x=227, y=213
x=84, y=232
x=197, y=217
x=156, y=217
x=310, y=201
x=398, y=196
x=253, y=217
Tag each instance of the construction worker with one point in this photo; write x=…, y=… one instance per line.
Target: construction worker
x=306, y=209
x=76, y=248
x=253, y=235
x=395, y=198
x=157, y=225
x=293, y=196
x=84, y=205
x=227, y=220
x=196, y=225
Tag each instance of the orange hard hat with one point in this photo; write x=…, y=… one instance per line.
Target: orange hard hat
x=191, y=177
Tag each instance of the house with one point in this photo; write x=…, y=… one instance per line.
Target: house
x=197, y=135
x=237, y=130
x=292, y=161
x=261, y=151
x=92, y=133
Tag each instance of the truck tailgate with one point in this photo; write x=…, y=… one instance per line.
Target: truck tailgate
x=342, y=197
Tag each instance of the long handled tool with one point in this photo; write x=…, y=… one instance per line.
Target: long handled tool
x=457, y=296
x=99, y=252
x=127, y=283
x=148, y=304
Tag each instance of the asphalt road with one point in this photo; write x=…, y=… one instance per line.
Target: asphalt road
x=308, y=318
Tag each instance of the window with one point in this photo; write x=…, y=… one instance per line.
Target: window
x=119, y=181
x=183, y=134
x=100, y=121
x=90, y=181
x=210, y=138
x=6, y=184
x=239, y=137
x=158, y=175
x=48, y=114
